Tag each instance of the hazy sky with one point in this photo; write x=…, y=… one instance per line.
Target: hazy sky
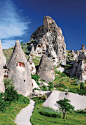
x=20, y=18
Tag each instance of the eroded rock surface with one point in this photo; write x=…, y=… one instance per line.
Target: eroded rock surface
x=46, y=69
x=48, y=39
x=18, y=70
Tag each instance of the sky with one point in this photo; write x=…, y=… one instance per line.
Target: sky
x=20, y=18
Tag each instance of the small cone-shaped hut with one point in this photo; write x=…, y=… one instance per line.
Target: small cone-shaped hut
x=46, y=69
x=2, y=88
x=18, y=70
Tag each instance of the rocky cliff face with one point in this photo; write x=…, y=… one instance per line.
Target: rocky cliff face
x=48, y=39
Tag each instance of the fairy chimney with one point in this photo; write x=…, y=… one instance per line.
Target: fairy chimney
x=46, y=69
x=31, y=65
x=2, y=88
x=18, y=70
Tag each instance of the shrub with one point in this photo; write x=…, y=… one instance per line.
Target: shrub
x=23, y=100
x=63, y=86
x=50, y=86
x=8, y=83
x=82, y=86
x=44, y=88
x=35, y=77
x=49, y=112
x=2, y=102
x=10, y=94
x=38, y=83
x=71, y=90
x=38, y=100
x=44, y=97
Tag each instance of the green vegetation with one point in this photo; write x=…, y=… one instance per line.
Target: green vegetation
x=10, y=104
x=8, y=52
x=63, y=82
x=36, y=60
x=44, y=88
x=65, y=106
x=44, y=116
x=50, y=86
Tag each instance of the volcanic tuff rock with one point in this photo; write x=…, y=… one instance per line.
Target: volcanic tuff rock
x=48, y=39
x=31, y=65
x=78, y=101
x=79, y=64
x=18, y=70
x=2, y=88
x=46, y=69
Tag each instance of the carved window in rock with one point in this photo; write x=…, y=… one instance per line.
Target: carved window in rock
x=20, y=64
x=5, y=74
x=39, y=45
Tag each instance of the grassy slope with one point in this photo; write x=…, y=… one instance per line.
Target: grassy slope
x=8, y=52
x=8, y=117
x=70, y=119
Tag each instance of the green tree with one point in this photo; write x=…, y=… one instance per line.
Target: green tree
x=65, y=106
x=82, y=85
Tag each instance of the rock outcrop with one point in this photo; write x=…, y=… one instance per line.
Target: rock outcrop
x=2, y=88
x=46, y=69
x=18, y=70
x=31, y=65
x=78, y=101
x=79, y=63
x=48, y=39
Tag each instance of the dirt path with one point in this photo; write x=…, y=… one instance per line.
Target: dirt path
x=23, y=118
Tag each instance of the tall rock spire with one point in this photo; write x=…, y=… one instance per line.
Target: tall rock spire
x=18, y=70
x=2, y=88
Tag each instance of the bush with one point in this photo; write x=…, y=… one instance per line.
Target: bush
x=10, y=94
x=8, y=83
x=71, y=90
x=50, y=86
x=43, y=97
x=35, y=77
x=44, y=88
x=62, y=85
x=49, y=112
x=82, y=86
x=2, y=102
x=38, y=100
x=38, y=83
x=23, y=100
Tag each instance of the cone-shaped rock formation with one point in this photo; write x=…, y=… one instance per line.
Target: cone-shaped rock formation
x=18, y=70
x=46, y=69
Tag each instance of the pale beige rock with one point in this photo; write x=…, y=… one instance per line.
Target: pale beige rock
x=18, y=70
x=49, y=41
x=78, y=101
x=46, y=69
x=31, y=66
